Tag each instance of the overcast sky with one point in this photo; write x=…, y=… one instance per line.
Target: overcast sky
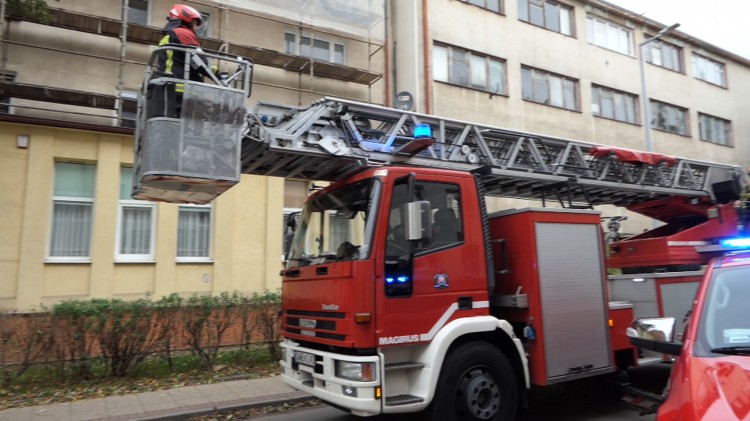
x=722, y=23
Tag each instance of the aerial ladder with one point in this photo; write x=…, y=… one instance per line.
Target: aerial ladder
x=196, y=156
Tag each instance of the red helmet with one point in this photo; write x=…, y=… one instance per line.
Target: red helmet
x=186, y=14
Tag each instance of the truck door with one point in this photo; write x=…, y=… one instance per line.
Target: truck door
x=429, y=283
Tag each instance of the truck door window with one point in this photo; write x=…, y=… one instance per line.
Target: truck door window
x=445, y=200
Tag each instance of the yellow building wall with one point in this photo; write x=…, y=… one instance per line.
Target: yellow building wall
x=246, y=238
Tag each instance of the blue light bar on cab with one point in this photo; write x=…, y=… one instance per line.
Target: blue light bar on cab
x=422, y=130
x=736, y=242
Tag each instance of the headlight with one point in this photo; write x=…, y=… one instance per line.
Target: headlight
x=364, y=372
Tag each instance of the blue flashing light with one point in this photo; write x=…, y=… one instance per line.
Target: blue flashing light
x=422, y=130
x=388, y=280
x=736, y=243
x=403, y=279
x=264, y=119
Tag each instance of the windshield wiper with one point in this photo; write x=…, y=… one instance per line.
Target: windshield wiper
x=732, y=350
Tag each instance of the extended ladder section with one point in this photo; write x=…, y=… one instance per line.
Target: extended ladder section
x=334, y=138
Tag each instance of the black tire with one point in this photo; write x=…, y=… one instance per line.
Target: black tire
x=476, y=383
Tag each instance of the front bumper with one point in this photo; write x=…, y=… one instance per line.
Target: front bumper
x=321, y=381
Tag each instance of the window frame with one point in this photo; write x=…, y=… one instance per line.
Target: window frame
x=6, y=106
x=88, y=201
x=331, y=47
x=287, y=212
x=128, y=116
x=596, y=93
x=524, y=15
x=592, y=39
x=686, y=112
x=722, y=66
x=196, y=259
x=204, y=30
x=500, y=6
x=547, y=74
x=121, y=257
x=435, y=245
x=728, y=129
x=660, y=44
x=469, y=55
x=149, y=5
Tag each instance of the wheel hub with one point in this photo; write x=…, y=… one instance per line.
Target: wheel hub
x=481, y=396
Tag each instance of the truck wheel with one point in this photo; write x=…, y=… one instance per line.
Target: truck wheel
x=476, y=383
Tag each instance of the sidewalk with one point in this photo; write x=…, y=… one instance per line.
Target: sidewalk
x=171, y=404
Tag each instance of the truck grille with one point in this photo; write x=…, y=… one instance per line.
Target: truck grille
x=310, y=323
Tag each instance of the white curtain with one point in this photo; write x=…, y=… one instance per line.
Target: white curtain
x=135, y=231
x=193, y=232
x=71, y=229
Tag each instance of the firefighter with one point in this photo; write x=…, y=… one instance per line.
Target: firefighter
x=180, y=30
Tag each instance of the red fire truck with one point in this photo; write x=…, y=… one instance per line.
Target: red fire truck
x=401, y=293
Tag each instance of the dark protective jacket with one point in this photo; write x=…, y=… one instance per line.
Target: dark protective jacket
x=173, y=62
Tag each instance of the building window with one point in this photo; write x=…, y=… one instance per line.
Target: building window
x=127, y=118
x=492, y=5
x=547, y=14
x=609, y=35
x=72, y=212
x=202, y=30
x=669, y=118
x=617, y=105
x=136, y=225
x=550, y=89
x=715, y=130
x=194, y=233
x=138, y=11
x=295, y=194
x=5, y=107
x=709, y=70
x=467, y=68
x=665, y=55
x=317, y=49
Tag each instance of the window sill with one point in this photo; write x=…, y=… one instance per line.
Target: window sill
x=688, y=135
x=616, y=120
x=135, y=262
x=201, y=261
x=716, y=85
x=680, y=72
x=471, y=88
x=553, y=106
x=717, y=144
x=67, y=262
x=571, y=35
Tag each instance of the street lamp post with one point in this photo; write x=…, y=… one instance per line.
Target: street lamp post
x=644, y=97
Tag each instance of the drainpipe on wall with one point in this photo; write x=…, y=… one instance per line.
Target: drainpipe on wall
x=123, y=42
x=426, y=58
x=387, y=52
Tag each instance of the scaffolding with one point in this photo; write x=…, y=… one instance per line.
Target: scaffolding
x=128, y=32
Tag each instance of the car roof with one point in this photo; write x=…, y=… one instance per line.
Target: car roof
x=739, y=258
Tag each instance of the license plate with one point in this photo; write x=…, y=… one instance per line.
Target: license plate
x=304, y=358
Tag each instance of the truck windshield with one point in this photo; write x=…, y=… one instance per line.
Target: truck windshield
x=725, y=322
x=336, y=226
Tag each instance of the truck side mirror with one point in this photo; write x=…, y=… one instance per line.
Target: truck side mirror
x=655, y=334
x=418, y=221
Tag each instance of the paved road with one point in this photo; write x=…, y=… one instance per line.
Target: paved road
x=584, y=401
